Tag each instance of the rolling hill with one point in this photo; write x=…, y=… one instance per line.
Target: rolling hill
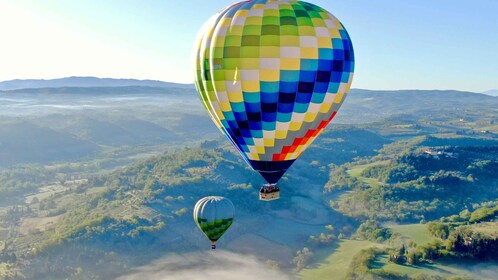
x=25, y=142
x=111, y=90
x=113, y=201
x=493, y=92
x=85, y=82
x=143, y=115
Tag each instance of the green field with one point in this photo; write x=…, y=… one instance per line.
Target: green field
x=429, y=269
x=357, y=170
x=337, y=263
x=489, y=228
x=418, y=233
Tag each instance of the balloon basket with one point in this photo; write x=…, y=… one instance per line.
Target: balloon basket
x=269, y=193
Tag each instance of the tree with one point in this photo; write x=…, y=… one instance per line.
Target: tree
x=330, y=228
x=439, y=229
x=414, y=257
x=402, y=250
x=302, y=258
x=483, y=214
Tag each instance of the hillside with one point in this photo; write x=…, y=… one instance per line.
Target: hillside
x=153, y=118
x=429, y=105
x=147, y=204
x=85, y=82
x=145, y=120
x=24, y=142
x=421, y=183
x=110, y=90
x=493, y=92
x=132, y=211
x=119, y=195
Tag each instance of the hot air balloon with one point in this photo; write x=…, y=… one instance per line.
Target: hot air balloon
x=214, y=215
x=272, y=75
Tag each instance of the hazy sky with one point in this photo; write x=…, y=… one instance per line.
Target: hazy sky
x=399, y=44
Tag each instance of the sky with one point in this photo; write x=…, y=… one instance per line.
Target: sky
x=399, y=44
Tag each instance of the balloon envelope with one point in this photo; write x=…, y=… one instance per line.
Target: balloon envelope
x=272, y=75
x=214, y=215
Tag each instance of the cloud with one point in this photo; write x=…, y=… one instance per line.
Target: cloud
x=219, y=265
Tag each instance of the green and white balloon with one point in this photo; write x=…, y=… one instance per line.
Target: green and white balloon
x=214, y=215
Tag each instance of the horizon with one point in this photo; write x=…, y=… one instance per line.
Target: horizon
x=353, y=88
x=421, y=45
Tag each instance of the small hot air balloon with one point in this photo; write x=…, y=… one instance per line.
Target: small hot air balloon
x=272, y=75
x=214, y=215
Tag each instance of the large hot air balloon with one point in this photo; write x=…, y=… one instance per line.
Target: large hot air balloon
x=214, y=215
x=272, y=75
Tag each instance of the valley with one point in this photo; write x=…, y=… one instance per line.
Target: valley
x=119, y=195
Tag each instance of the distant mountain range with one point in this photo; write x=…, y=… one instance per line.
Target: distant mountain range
x=96, y=85
x=86, y=82
x=106, y=90
x=493, y=92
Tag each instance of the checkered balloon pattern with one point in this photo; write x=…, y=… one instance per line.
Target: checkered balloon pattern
x=272, y=75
